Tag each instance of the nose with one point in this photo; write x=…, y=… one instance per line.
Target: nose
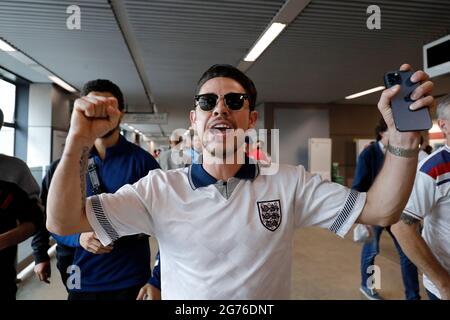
x=221, y=108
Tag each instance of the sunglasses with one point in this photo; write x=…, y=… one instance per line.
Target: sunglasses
x=208, y=101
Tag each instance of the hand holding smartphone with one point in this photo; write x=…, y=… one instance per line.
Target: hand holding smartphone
x=404, y=118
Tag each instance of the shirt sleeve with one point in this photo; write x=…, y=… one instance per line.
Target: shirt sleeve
x=69, y=241
x=29, y=209
x=123, y=213
x=326, y=204
x=422, y=197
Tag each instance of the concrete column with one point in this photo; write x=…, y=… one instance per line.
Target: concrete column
x=39, y=125
x=48, y=122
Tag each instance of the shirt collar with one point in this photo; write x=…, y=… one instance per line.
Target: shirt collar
x=382, y=146
x=198, y=177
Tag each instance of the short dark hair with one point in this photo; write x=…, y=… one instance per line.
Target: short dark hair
x=228, y=71
x=380, y=128
x=103, y=85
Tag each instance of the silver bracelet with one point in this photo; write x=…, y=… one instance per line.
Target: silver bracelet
x=400, y=152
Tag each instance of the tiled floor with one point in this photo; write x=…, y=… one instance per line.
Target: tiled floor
x=325, y=267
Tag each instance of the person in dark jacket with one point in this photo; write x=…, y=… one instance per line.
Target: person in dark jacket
x=369, y=164
x=20, y=215
x=40, y=243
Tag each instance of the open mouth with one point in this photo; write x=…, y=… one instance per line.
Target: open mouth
x=221, y=129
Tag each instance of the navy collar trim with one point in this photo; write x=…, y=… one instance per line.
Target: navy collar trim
x=199, y=177
x=120, y=147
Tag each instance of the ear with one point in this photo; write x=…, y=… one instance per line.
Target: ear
x=441, y=124
x=253, y=117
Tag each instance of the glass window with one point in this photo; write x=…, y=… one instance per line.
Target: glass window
x=8, y=106
x=7, y=141
x=8, y=100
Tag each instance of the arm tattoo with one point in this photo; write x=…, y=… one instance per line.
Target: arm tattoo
x=83, y=170
x=407, y=219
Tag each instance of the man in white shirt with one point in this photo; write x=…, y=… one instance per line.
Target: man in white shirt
x=430, y=203
x=225, y=231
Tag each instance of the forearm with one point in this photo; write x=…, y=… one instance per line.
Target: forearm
x=417, y=250
x=17, y=235
x=391, y=189
x=67, y=193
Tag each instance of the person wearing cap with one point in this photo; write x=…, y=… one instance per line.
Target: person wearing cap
x=172, y=158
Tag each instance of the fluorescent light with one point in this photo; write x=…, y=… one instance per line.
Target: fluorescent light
x=263, y=42
x=62, y=84
x=363, y=93
x=5, y=47
x=131, y=127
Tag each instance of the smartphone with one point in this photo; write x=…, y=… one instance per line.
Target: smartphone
x=404, y=118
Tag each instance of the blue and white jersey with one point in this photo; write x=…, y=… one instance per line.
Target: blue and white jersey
x=430, y=202
x=225, y=239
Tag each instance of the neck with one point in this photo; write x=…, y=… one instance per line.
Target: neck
x=221, y=169
x=101, y=144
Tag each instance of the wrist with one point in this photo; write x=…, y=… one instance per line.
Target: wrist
x=402, y=152
x=77, y=145
x=79, y=141
x=444, y=282
x=404, y=140
x=41, y=257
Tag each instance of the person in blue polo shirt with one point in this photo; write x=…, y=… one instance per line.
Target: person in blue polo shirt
x=117, y=271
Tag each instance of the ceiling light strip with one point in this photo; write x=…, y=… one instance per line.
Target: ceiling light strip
x=4, y=46
x=267, y=38
x=365, y=92
x=62, y=83
x=288, y=13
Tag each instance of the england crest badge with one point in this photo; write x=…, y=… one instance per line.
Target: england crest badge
x=270, y=214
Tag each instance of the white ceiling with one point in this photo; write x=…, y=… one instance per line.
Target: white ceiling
x=324, y=55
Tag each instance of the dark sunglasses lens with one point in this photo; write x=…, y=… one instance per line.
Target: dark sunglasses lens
x=234, y=101
x=207, y=102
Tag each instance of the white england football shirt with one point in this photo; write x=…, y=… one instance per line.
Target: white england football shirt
x=430, y=202
x=222, y=240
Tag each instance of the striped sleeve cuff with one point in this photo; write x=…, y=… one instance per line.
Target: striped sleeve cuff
x=412, y=214
x=351, y=210
x=99, y=221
